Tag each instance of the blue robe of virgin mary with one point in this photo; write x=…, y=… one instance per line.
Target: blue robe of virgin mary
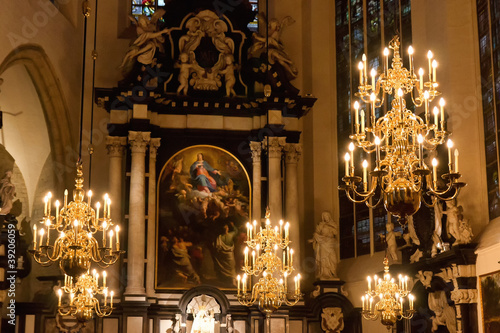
x=203, y=178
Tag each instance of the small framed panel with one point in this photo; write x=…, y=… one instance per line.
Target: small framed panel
x=203, y=206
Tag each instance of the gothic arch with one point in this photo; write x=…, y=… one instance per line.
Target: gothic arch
x=54, y=106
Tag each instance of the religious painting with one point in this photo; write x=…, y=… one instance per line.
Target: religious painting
x=203, y=207
x=490, y=302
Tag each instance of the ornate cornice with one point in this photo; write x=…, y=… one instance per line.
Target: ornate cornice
x=464, y=296
x=116, y=145
x=139, y=141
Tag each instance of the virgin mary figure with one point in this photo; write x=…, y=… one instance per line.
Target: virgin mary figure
x=203, y=175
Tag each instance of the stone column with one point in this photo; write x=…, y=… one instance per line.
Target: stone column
x=151, y=253
x=136, y=231
x=276, y=145
x=116, y=148
x=292, y=156
x=256, y=148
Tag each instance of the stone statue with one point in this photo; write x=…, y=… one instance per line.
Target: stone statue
x=438, y=227
x=148, y=39
x=228, y=73
x=7, y=193
x=444, y=314
x=185, y=70
x=277, y=52
x=452, y=222
x=464, y=228
x=332, y=320
x=411, y=236
x=229, y=324
x=325, y=243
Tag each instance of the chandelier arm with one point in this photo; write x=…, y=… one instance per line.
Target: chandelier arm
x=353, y=199
x=376, y=205
x=433, y=201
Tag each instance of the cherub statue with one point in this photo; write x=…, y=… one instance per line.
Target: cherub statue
x=148, y=39
x=390, y=238
x=276, y=49
x=452, y=213
x=411, y=236
x=438, y=227
x=228, y=73
x=185, y=70
x=464, y=228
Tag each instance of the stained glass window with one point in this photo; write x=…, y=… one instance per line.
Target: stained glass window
x=362, y=26
x=254, y=25
x=488, y=26
x=146, y=7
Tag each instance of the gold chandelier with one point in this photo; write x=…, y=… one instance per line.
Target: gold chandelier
x=81, y=297
x=390, y=306
x=271, y=289
x=399, y=137
x=68, y=237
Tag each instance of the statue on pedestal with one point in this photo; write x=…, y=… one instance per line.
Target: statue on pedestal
x=325, y=244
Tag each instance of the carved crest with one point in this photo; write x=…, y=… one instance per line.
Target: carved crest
x=332, y=320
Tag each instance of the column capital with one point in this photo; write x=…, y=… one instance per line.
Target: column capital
x=154, y=144
x=256, y=149
x=116, y=145
x=293, y=151
x=138, y=141
x=276, y=145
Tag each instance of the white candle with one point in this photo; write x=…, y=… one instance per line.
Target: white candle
x=449, y=144
x=59, y=291
x=46, y=206
x=435, y=111
x=369, y=283
x=42, y=232
x=386, y=60
x=106, y=197
x=111, y=302
x=72, y=296
x=456, y=160
x=117, y=230
x=104, y=275
x=238, y=278
x=356, y=114
x=360, y=67
x=429, y=58
x=426, y=101
x=441, y=104
x=111, y=239
x=363, y=302
x=377, y=147
x=434, y=66
x=362, y=114
x=363, y=57
x=373, y=98
x=34, y=236
x=347, y=157
x=291, y=257
x=411, y=298
x=49, y=195
x=420, y=140
x=246, y=256
x=253, y=260
x=105, y=296
x=109, y=208
x=57, y=210
x=410, y=56
x=65, y=198
x=244, y=281
x=89, y=195
x=287, y=225
x=351, y=150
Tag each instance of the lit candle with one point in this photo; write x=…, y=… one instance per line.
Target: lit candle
x=298, y=283
x=42, y=232
x=401, y=303
x=373, y=73
x=363, y=301
x=244, y=283
x=456, y=160
x=369, y=283
x=104, y=229
x=65, y=198
x=105, y=296
x=434, y=167
x=420, y=140
x=291, y=257
x=386, y=60
x=421, y=75
x=109, y=208
x=362, y=115
x=248, y=230
x=406, y=283
x=356, y=115
x=117, y=231
x=449, y=144
x=284, y=259
x=373, y=98
x=71, y=296
x=238, y=278
x=360, y=67
x=281, y=229
x=365, y=165
x=429, y=58
x=400, y=95
x=98, y=207
x=246, y=256
x=363, y=57
x=371, y=303
x=377, y=147
x=59, y=291
x=105, y=205
x=46, y=206
x=104, y=275
x=253, y=260
x=111, y=302
x=351, y=150
x=410, y=56
x=441, y=104
x=89, y=195
x=411, y=298
x=34, y=236
x=111, y=239
x=347, y=157
x=49, y=195
x=426, y=101
x=57, y=210
x=434, y=66
x=285, y=277
x=287, y=225
x=435, y=111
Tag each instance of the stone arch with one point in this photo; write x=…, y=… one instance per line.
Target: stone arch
x=51, y=96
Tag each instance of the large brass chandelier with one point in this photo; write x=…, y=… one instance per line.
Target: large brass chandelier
x=400, y=177
x=81, y=297
x=388, y=300
x=271, y=289
x=69, y=236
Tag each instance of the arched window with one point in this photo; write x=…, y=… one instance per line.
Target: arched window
x=145, y=7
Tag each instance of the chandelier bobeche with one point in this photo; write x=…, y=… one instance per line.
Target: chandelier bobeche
x=271, y=290
x=81, y=297
x=69, y=236
x=400, y=177
x=392, y=299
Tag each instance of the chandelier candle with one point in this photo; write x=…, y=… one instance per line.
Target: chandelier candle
x=402, y=177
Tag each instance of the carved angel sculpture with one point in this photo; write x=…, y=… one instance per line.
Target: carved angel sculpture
x=444, y=313
x=148, y=39
x=276, y=50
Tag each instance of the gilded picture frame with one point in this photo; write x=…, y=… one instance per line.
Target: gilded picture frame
x=489, y=290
